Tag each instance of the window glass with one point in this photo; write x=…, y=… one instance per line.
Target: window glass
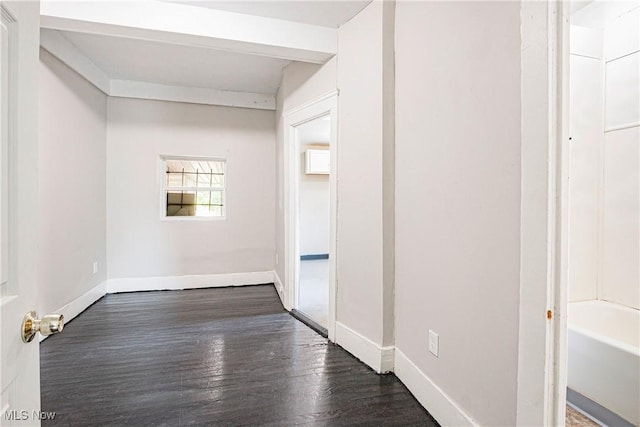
x=194, y=187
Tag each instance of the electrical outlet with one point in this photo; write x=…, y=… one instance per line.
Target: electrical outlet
x=434, y=343
x=95, y=267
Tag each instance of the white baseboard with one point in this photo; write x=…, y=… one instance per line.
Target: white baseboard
x=111, y=286
x=80, y=304
x=188, y=282
x=378, y=358
x=444, y=409
x=279, y=286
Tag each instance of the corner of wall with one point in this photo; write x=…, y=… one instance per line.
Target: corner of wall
x=280, y=288
x=377, y=357
x=72, y=238
x=74, y=308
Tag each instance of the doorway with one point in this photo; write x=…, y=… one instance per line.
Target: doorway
x=313, y=146
x=603, y=292
x=310, y=212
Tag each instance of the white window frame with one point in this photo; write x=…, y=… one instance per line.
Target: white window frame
x=163, y=188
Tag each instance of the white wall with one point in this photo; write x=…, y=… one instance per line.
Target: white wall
x=314, y=192
x=587, y=132
x=72, y=180
x=621, y=180
x=458, y=199
x=360, y=246
x=139, y=243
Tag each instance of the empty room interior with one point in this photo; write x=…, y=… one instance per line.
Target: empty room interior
x=320, y=213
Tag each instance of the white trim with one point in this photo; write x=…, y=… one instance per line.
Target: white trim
x=542, y=354
x=192, y=95
x=541, y=40
x=194, y=26
x=622, y=127
x=586, y=56
x=442, y=407
x=321, y=106
x=71, y=310
x=557, y=351
x=296, y=110
x=279, y=287
x=60, y=47
x=380, y=359
x=624, y=55
x=387, y=359
x=192, y=218
x=137, y=284
x=9, y=125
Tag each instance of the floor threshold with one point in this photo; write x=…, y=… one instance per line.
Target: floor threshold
x=309, y=322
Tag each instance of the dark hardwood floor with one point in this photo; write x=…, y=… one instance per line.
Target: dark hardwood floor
x=226, y=356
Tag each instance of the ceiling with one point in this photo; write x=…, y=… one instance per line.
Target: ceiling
x=326, y=13
x=171, y=64
x=597, y=14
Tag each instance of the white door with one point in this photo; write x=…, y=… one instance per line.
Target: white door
x=19, y=363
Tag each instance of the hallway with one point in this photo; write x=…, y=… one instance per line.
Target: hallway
x=225, y=356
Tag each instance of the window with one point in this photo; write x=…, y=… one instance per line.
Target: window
x=194, y=187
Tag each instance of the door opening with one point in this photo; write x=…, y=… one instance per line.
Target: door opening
x=313, y=187
x=603, y=292
x=310, y=210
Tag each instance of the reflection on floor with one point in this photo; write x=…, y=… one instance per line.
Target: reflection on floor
x=576, y=419
x=313, y=297
x=210, y=357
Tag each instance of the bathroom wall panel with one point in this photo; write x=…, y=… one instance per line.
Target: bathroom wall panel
x=586, y=128
x=621, y=218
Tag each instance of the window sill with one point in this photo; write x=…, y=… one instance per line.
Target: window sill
x=192, y=218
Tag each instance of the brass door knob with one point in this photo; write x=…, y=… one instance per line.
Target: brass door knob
x=48, y=325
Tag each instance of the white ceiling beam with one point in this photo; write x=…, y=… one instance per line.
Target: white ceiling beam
x=193, y=26
x=192, y=95
x=58, y=45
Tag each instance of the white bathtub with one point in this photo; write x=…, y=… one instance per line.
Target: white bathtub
x=604, y=356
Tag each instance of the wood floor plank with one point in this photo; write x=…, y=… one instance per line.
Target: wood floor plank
x=224, y=357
